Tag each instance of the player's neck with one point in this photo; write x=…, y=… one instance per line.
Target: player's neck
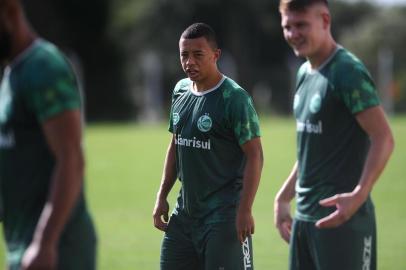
x=325, y=52
x=22, y=39
x=210, y=82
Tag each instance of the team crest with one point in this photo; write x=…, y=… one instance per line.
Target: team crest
x=204, y=123
x=315, y=103
x=175, y=118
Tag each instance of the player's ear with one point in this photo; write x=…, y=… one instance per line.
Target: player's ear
x=217, y=54
x=326, y=20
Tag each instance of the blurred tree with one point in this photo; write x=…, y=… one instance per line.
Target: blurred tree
x=345, y=15
x=117, y=41
x=79, y=28
x=248, y=31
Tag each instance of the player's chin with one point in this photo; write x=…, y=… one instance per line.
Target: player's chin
x=193, y=77
x=300, y=52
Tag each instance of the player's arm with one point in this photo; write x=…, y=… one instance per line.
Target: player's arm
x=282, y=216
x=252, y=174
x=63, y=134
x=161, y=209
x=374, y=123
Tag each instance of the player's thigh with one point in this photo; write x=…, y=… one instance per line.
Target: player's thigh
x=223, y=250
x=349, y=246
x=177, y=250
x=299, y=253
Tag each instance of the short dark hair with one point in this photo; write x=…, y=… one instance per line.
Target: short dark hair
x=198, y=30
x=299, y=5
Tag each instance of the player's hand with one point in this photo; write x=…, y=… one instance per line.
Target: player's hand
x=283, y=219
x=245, y=224
x=160, y=214
x=39, y=257
x=346, y=205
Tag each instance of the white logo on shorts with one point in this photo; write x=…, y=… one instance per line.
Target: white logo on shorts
x=247, y=254
x=366, y=256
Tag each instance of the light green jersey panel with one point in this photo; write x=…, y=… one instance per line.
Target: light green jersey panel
x=209, y=129
x=332, y=147
x=354, y=83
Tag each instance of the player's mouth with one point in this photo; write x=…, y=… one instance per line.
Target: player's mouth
x=297, y=45
x=192, y=72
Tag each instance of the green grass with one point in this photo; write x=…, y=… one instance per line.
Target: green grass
x=124, y=164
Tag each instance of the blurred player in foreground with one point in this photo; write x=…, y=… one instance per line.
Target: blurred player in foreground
x=45, y=220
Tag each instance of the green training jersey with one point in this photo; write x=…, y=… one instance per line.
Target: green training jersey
x=209, y=129
x=332, y=147
x=38, y=85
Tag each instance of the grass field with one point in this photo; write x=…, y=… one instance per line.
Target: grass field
x=124, y=163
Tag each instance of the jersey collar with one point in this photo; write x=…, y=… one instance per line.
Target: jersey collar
x=202, y=93
x=19, y=58
x=312, y=71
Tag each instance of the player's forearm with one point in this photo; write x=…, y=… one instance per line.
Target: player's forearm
x=169, y=172
x=381, y=148
x=252, y=176
x=287, y=191
x=64, y=192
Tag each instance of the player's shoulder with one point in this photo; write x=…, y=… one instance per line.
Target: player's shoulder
x=346, y=69
x=302, y=71
x=182, y=86
x=232, y=90
x=47, y=55
x=42, y=63
x=346, y=61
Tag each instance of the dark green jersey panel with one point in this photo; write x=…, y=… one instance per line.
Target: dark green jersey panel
x=38, y=85
x=332, y=147
x=209, y=129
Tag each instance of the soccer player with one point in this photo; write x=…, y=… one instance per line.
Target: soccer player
x=216, y=153
x=344, y=142
x=45, y=220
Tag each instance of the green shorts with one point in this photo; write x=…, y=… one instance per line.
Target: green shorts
x=76, y=251
x=188, y=245
x=351, y=246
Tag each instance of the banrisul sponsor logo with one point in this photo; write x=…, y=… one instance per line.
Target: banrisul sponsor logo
x=204, y=123
x=195, y=143
x=175, y=118
x=309, y=127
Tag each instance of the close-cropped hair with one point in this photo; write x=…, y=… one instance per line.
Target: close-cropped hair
x=299, y=5
x=198, y=30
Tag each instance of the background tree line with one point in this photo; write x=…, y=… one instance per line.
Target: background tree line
x=127, y=51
